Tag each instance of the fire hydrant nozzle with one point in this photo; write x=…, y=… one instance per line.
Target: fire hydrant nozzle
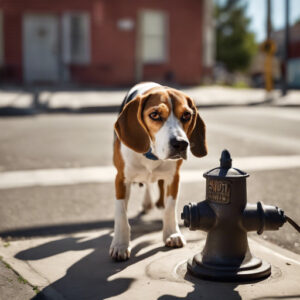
x=198, y=216
x=259, y=217
x=226, y=217
x=255, y=217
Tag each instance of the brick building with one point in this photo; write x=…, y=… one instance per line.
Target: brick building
x=107, y=42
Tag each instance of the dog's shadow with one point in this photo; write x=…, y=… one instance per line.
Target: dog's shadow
x=89, y=277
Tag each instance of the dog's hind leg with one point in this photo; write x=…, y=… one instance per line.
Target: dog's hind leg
x=147, y=202
x=160, y=203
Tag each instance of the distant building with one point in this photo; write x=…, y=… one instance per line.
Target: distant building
x=293, y=53
x=107, y=42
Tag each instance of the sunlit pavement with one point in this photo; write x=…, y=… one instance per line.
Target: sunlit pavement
x=36, y=100
x=263, y=141
x=77, y=266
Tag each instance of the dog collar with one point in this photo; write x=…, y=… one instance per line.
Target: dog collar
x=150, y=155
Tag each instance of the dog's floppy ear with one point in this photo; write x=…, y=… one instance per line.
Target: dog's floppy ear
x=130, y=128
x=197, y=133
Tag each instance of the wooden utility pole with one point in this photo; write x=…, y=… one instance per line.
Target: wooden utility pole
x=286, y=50
x=269, y=48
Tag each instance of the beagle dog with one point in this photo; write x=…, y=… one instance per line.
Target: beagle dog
x=156, y=127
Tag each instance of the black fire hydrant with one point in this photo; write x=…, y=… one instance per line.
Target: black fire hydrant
x=226, y=217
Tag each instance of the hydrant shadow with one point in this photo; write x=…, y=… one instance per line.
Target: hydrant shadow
x=207, y=290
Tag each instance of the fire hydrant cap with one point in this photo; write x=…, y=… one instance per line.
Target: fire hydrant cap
x=225, y=170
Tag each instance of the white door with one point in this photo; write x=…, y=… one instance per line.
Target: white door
x=40, y=48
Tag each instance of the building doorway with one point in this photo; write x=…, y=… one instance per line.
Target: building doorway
x=40, y=48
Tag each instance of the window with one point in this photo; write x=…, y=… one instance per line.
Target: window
x=76, y=38
x=154, y=37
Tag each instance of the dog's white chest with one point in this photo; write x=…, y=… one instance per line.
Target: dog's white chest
x=138, y=168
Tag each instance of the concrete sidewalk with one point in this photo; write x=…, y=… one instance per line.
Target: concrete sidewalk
x=82, y=100
x=77, y=266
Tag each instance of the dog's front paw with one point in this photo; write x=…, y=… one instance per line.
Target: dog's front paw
x=119, y=252
x=175, y=240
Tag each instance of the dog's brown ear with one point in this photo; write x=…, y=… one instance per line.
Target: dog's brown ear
x=130, y=129
x=197, y=133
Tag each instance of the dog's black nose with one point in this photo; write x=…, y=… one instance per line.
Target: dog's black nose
x=179, y=144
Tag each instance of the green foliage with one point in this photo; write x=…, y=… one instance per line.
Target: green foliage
x=36, y=289
x=240, y=85
x=236, y=45
x=22, y=280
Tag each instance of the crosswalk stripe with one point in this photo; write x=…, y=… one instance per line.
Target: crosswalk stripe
x=106, y=174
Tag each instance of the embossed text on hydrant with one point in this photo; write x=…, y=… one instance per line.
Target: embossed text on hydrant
x=218, y=191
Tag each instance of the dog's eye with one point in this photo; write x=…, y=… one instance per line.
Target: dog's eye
x=155, y=116
x=186, y=116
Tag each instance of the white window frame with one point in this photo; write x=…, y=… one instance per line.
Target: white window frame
x=164, y=35
x=85, y=57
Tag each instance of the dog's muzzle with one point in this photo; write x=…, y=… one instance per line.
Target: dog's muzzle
x=178, y=148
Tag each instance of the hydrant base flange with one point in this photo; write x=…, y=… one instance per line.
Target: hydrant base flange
x=254, y=269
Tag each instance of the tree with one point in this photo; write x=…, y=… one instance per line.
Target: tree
x=235, y=43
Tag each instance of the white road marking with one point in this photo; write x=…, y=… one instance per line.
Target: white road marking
x=48, y=177
x=248, y=164
x=106, y=174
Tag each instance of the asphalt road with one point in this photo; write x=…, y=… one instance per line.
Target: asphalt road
x=77, y=141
